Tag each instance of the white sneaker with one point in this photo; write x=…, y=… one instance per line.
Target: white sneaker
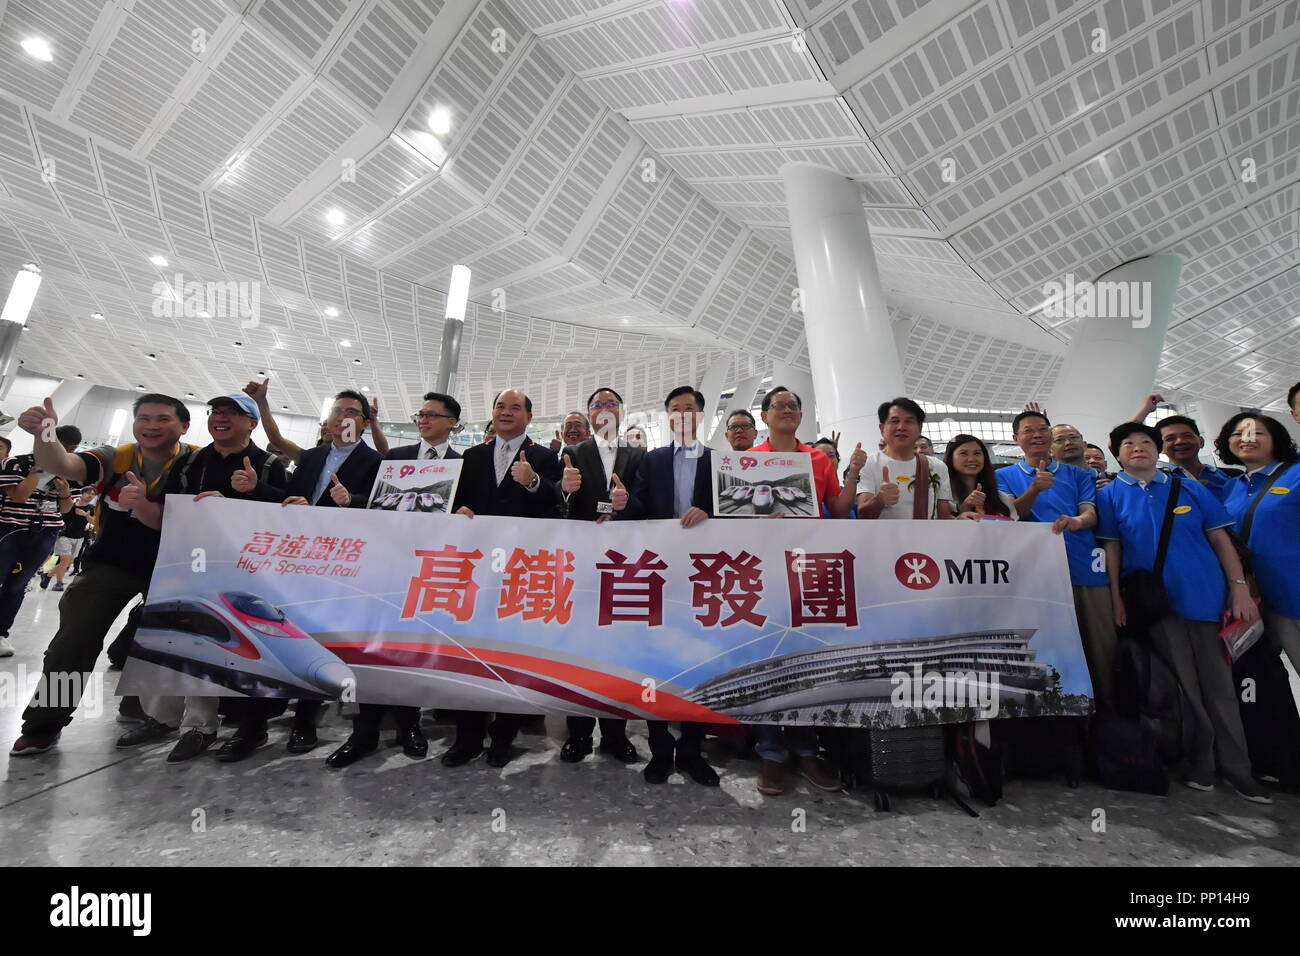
x=6, y=649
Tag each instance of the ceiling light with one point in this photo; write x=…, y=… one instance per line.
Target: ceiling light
x=79, y=375
x=159, y=261
x=239, y=345
x=332, y=312
x=38, y=49
x=97, y=315
x=458, y=292
x=440, y=121
x=139, y=388
x=151, y=355
x=365, y=388
x=356, y=361
x=335, y=217
x=22, y=294
x=189, y=394
x=204, y=314
x=346, y=344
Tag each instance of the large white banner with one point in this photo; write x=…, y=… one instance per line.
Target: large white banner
x=847, y=623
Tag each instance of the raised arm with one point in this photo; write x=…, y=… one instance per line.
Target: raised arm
x=39, y=422
x=377, y=436
x=257, y=390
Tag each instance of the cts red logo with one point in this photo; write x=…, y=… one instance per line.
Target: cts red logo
x=748, y=463
x=407, y=470
x=917, y=571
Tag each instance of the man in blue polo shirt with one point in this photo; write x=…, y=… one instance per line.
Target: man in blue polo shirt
x=1203, y=576
x=1065, y=497
x=1181, y=441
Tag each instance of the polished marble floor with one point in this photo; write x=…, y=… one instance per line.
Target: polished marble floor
x=87, y=803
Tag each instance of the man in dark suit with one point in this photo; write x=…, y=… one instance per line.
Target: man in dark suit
x=674, y=482
x=338, y=474
x=510, y=475
x=589, y=471
x=436, y=419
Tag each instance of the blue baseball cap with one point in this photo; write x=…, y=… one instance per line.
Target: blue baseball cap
x=245, y=403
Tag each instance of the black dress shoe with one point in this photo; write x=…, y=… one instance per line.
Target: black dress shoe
x=620, y=749
x=192, y=743
x=302, y=740
x=575, y=748
x=658, y=769
x=461, y=754
x=413, y=744
x=695, y=767
x=351, y=752
x=498, y=754
x=239, y=746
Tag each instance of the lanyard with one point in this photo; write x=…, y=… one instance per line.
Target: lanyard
x=139, y=468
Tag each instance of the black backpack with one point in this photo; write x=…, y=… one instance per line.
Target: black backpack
x=1147, y=690
x=976, y=769
x=1127, y=754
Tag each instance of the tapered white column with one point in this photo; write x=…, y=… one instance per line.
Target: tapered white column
x=851, y=346
x=1120, y=324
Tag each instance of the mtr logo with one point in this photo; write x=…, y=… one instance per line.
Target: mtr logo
x=920, y=572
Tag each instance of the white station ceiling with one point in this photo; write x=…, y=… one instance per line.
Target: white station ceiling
x=610, y=172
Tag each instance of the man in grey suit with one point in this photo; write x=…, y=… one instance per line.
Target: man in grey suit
x=436, y=419
x=589, y=470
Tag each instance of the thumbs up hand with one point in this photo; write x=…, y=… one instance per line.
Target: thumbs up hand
x=572, y=479
x=38, y=418
x=857, y=461
x=521, y=471
x=1044, y=479
x=557, y=443
x=618, y=495
x=338, y=494
x=134, y=494
x=244, y=480
x=257, y=390
x=889, y=493
x=975, y=500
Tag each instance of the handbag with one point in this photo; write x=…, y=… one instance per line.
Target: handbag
x=1146, y=599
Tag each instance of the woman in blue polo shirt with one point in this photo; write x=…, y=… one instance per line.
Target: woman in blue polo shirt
x=1263, y=447
x=1203, y=575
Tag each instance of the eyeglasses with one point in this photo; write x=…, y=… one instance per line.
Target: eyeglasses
x=429, y=416
x=784, y=406
x=1036, y=431
x=340, y=411
x=603, y=405
x=1066, y=439
x=742, y=427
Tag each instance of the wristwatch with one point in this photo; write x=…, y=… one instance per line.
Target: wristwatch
x=1236, y=580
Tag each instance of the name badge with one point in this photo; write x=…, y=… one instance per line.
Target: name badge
x=604, y=508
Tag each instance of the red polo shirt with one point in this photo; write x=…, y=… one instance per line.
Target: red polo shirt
x=828, y=483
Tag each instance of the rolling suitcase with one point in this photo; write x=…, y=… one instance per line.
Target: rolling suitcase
x=908, y=759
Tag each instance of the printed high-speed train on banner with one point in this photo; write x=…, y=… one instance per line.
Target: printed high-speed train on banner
x=242, y=642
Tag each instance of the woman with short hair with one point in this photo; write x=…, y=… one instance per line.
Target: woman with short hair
x=1202, y=575
x=1271, y=486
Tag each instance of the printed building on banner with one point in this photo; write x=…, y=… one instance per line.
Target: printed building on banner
x=860, y=680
